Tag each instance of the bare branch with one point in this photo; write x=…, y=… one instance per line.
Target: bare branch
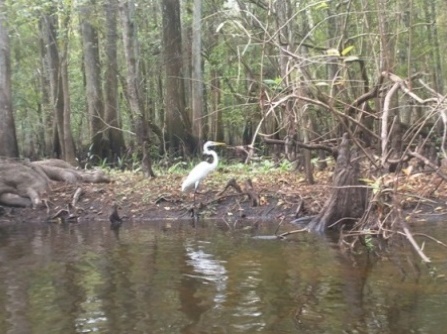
x=386, y=110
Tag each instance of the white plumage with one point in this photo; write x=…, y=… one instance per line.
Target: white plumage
x=199, y=172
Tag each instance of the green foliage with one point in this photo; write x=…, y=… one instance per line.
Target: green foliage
x=120, y=164
x=285, y=165
x=266, y=166
x=135, y=163
x=275, y=85
x=241, y=48
x=103, y=164
x=347, y=50
x=240, y=168
x=321, y=5
x=179, y=166
x=368, y=240
x=376, y=185
x=92, y=159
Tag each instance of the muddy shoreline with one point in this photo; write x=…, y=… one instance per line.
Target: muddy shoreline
x=282, y=197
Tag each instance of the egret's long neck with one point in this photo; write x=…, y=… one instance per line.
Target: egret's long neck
x=215, y=159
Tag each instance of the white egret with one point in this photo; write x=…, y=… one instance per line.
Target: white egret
x=200, y=171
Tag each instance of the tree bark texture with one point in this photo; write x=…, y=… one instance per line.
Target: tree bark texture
x=8, y=139
x=347, y=200
x=52, y=71
x=177, y=120
x=132, y=84
x=93, y=78
x=294, y=109
x=69, y=146
x=197, y=75
x=215, y=117
x=111, y=116
x=25, y=184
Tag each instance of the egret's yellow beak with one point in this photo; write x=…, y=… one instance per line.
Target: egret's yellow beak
x=217, y=143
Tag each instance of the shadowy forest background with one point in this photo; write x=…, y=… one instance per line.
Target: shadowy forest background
x=119, y=81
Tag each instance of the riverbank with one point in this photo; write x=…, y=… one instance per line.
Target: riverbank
x=281, y=195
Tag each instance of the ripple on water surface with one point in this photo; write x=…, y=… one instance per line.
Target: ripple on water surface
x=82, y=278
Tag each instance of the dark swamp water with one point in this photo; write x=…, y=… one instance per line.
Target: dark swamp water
x=83, y=278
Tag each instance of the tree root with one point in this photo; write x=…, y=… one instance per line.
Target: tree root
x=247, y=190
x=347, y=200
x=25, y=184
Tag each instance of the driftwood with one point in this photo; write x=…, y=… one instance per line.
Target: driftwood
x=347, y=201
x=24, y=184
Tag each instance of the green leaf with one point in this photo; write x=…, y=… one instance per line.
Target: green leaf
x=270, y=82
x=347, y=50
x=322, y=5
x=367, y=181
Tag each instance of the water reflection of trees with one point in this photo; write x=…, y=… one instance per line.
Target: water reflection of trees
x=56, y=278
x=357, y=299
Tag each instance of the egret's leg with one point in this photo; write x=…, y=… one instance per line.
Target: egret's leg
x=195, y=191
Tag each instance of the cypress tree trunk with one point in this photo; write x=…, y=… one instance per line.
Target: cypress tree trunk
x=347, y=200
x=133, y=87
x=8, y=139
x=177, y=120
x=68, y=142
x=52, y=66
x=197, y=75
x=113, y=133
x=93, y=79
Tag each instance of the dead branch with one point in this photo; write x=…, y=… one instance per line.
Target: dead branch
x=403, y=86
x=386, y=110
x=429, y=163
x=252, y=195
x=247, y=190
x=331, y=150
x=406, y=230
x=365, y=97
x=231, y=183
x=431, y=90
x=285, y=234
x=338, y=113
x=76, y=196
